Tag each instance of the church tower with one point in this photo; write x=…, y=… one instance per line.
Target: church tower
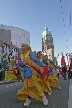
x=47, y=44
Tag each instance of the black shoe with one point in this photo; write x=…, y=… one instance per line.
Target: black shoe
x=69, y=78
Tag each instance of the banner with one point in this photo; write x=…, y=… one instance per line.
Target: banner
x=63, y=60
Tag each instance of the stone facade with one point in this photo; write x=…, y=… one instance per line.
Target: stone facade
x=5, y=35
x=15, y=35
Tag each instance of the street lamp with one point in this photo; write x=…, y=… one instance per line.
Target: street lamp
x=68, y=56
x=58, y=55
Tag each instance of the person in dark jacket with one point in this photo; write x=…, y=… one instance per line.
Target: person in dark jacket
x=64, y=70
x=70, y=70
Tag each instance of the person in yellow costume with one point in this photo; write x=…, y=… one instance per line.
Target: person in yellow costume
x=53, y=80
x=44, y=82
x=31, y=87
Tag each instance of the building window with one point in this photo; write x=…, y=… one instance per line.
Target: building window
x=47, y=46
x=11, y=42
x=49, y=38
x=19, y=38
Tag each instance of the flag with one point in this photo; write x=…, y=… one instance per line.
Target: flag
x=42, y=74
x=63, y=60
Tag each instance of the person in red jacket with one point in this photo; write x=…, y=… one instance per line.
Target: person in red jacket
x=64, y=69
x=16, y=58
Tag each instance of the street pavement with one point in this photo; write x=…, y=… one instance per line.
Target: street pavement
x=58, y=99
x=70, y=95
x=8, y=81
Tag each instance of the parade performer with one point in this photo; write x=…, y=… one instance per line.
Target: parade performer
x=53, y=80
x=16, y=60
x=44, y=82
x=64, y=69
x=31, y=87
x=70, y=69
x=12, y=63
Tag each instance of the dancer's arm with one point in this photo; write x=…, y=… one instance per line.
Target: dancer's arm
x=45, y=61
x=53, y=64
x=35, y=59
x=20, y=64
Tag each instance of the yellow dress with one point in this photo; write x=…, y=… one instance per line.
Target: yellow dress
x=31, y=86
x=53, y=80
x=44, y=83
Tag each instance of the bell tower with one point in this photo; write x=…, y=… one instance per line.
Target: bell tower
x=47, y=43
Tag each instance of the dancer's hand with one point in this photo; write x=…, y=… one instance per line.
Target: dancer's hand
x=14, y=68
x=25, y=63
x=44, y=65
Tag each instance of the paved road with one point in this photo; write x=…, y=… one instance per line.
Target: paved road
x=70, y=95
x=59, y=98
